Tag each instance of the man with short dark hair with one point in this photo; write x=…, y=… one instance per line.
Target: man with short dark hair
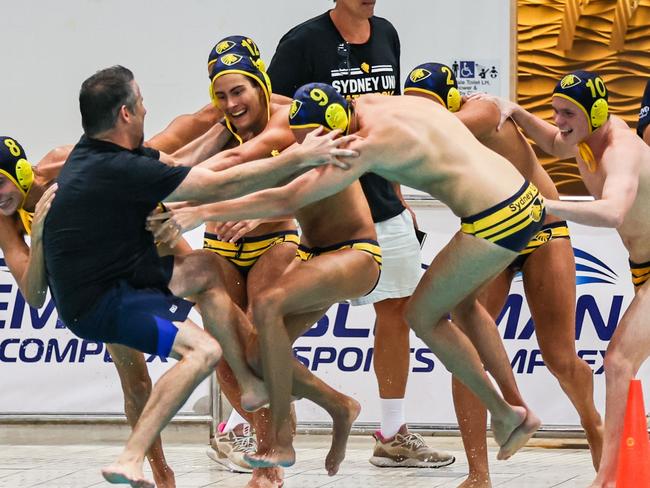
x=108, y=281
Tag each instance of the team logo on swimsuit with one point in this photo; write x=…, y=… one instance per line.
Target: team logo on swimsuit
x=230, y=59
x=644, y=111
x=544, y=236
x=224, y=46
x=419, y=74
x=570, y=81
x=275, y=153
x=295, y=108
x=537, y=209
x=365, y=67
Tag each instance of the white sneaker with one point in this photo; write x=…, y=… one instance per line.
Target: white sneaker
x=228, y=449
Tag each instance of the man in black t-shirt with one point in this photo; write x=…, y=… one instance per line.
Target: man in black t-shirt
x=103, y=269
x=644, y=116
x=357, y=53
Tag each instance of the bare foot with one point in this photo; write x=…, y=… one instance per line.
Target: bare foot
x=598, y=484
x=503, y=428
x=254, y=395
x=164, y=478
x=125, y=473
x=519, y=436
x=476, y=482
x=341, y=425
x=595, y=440
x=278, y=455
x=267, y=478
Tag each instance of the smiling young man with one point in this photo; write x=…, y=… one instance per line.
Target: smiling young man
x=253, y=253
x=615, y=167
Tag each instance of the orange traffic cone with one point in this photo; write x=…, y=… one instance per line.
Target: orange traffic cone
x=634, y=453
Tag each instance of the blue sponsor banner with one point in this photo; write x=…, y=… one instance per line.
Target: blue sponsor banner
x=49, y=370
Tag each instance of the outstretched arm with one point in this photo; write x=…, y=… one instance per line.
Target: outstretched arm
x=314, y=185
x=275, y=137
x=618, y=195
x=481, y=117
x=208, y=186
x=204, y=146
x=185, y=128
x=545, y=135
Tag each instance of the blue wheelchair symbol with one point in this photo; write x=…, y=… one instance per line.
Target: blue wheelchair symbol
x=467, y=69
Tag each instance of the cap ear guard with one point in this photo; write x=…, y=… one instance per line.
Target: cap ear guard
x=454, y=100
x=24, y=174
x=213, y=97
x=599, y=112
x=337, y=117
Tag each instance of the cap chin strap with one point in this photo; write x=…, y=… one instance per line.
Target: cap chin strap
x=26, y=218
x=588, y=157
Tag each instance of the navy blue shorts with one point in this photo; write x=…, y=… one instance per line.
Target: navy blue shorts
x=138, y=318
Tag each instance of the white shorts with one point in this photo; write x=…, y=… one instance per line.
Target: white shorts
x=401, y=266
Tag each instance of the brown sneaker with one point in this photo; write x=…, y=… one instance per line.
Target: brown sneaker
x=407, y=450
x=229, y=449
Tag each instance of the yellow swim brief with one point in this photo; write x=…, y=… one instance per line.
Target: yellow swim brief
x=246, y=251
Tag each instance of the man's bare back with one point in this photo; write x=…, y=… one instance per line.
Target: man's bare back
x=422, y=145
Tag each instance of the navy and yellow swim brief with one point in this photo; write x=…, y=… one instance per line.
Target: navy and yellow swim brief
x=549, y=232
x=640, y=273
x=511, y=223
x=366, y=245
x=246, y=251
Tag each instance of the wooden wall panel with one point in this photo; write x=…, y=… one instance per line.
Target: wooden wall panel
x=540, y=63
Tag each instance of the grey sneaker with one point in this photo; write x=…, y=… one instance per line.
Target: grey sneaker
x=407, y=450
x=229, y=449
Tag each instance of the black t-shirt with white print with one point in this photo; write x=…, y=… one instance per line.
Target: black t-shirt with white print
x=315, y=51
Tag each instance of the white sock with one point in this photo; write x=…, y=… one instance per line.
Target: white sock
x=233, y=421
x=392, y=416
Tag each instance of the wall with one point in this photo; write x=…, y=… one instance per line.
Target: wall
x=49, y=48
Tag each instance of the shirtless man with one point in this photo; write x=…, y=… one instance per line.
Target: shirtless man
x=336, y=246
x=26, y=266
x=615, y=167
x=413, y=142
x=552, y=307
